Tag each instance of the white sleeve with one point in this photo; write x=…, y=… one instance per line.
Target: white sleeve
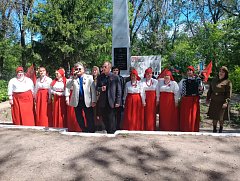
x=35, y=89
x=93, y=90
x=67, y=88
x=180, y=87
x=158, y=91
x=10, y=89
x=176, y=91
x=125, y=93
x=49, y=89
x=30, y=82
x=142, y=92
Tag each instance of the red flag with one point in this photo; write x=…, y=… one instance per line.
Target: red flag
x=206, y=72
x=31, y=73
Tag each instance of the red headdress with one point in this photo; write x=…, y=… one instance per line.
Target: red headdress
x=191, y=68
x=19, y=69
x=134, y=72
x=169, y=73
x=61, y=72
x=148, y=71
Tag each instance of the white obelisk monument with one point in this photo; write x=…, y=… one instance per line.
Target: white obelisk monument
x=120, y=36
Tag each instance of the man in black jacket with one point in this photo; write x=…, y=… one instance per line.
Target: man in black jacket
x=109, y=86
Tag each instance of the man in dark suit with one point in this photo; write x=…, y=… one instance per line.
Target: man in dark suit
x=109, y=86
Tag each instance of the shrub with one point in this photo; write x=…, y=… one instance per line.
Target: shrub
x=235, y=78
x=3, y=91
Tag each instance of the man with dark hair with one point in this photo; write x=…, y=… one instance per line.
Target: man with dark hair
x=109, y=86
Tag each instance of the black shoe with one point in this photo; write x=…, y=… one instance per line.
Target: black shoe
x=214, y=129
x=220, y=129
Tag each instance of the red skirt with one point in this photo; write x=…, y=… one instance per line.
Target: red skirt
x=150, y=111
x=190, y=114
x=168, y=112
x=59, y=112
x=133, y=113
x=43, y=109
x=72, y=123
x=23, y=109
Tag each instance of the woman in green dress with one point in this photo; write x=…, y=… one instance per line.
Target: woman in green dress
x=219, y=95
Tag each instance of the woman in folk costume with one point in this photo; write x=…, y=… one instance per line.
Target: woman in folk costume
x=219, y=95
x=148, y=95
x=167, y=98
x=43, y=99
x=190, y=89
x=133, y=110
x=20, y=92
x=59, y=106
x=72, y=123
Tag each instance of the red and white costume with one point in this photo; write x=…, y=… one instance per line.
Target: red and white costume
x=21, y=92
x=149, y=100
x=190, y=89
x=43, y=102
x=133, y=107
x=59, y=105
x=167, y=95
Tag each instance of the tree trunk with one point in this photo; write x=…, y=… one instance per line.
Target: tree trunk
x=1, y=66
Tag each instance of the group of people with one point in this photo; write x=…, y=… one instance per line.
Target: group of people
x=83, y=102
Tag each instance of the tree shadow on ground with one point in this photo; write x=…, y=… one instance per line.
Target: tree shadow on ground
x=132, y=157
x=149, y=160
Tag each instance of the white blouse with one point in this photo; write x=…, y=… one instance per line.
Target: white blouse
x=43, y=84
x=149, y=85
x=16, y=85
x=172, y=86
x=58, y=88
x=131, y=89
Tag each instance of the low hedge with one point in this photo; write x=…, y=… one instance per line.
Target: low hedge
x=3, y=90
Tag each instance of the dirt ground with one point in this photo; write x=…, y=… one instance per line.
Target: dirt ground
x=28, y=154
x=38, y=155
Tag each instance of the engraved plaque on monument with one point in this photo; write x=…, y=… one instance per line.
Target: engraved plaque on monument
x=121, y=37
x=120, y=58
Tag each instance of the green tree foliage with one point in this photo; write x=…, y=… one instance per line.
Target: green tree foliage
x=61, y=32
x=71, y=31
x=10, y=52
x=235, y=78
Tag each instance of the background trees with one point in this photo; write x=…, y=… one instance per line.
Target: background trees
x=56, y=33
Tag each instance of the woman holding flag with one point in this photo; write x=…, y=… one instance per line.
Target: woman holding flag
x=219, y=95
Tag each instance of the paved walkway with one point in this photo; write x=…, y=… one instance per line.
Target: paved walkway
x=4, y=105
x=8, y=124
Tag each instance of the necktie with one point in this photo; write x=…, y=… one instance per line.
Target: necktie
x=81, y=86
